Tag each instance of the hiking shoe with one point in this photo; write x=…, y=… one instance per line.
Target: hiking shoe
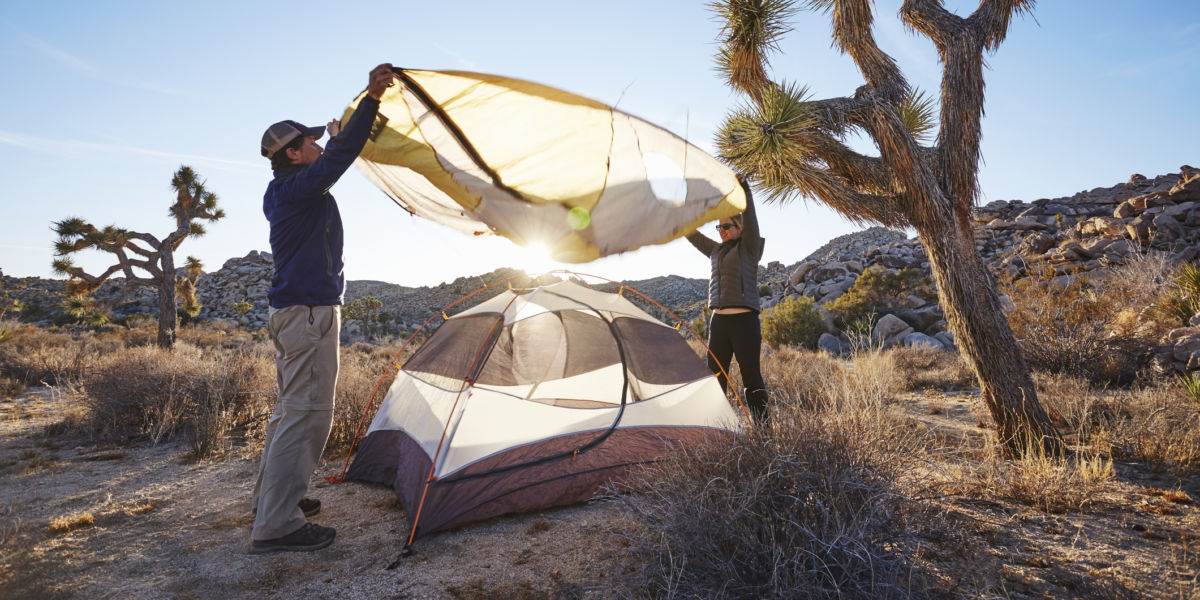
x=310, y=506
x=306, y=539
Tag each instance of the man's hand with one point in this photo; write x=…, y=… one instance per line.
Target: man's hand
x=334, y=127
x=381, y=79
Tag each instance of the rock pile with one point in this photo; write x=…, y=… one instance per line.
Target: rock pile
x=1075, y=235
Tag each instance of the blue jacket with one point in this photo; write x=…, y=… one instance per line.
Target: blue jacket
x=306, y=227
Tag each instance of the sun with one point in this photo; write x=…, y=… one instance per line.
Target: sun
x=535, y=259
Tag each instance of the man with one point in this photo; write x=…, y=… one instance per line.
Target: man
x=304, y=318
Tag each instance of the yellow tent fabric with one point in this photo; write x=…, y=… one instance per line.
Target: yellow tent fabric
x=487, y=154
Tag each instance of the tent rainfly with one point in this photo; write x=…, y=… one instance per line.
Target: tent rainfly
x=533, y=399
x=486, y=154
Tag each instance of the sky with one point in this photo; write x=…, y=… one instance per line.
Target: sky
x=102, y=102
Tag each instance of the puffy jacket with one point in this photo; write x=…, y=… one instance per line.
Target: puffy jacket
x=306, y=227
x=734, y=279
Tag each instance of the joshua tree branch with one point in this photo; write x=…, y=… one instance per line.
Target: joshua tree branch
x=993, y=17
x=932, y=19
x=852, y=21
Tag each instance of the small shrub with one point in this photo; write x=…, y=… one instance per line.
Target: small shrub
x=764, y=290
x=1190, y=384
x=794, y=321
x=929, y=368
x=147, y=392
x=1051, y=484
x=1085, y=326
x=878, y=291
x=365, y=369
x=10, y=387
x=700, y=323
x=69, y=523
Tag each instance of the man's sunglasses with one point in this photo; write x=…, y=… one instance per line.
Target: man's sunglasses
x=724, y=226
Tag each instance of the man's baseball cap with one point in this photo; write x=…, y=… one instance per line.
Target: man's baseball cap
x=280, y=134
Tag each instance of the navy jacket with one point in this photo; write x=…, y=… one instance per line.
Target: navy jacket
x=734, y=279
x=306, y=227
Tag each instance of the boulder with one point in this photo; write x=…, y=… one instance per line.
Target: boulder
x=920, y=340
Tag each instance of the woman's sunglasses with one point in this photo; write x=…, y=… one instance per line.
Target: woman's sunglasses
x=724, y=226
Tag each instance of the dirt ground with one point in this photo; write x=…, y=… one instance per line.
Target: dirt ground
x=79, y=520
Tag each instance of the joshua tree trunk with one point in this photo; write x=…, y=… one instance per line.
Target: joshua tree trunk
x=968, y=297
x=168, y=319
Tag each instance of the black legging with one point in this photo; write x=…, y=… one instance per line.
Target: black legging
x=738, y=336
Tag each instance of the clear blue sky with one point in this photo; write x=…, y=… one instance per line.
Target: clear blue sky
x=101, y=102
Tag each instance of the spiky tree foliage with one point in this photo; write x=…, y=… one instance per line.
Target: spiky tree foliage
x=143, y=259
x=796, y=146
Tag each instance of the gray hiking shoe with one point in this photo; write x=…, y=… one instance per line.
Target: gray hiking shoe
x=306, y=539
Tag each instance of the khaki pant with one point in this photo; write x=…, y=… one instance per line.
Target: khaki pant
x=306, y=366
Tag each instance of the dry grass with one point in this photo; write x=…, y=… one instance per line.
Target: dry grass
x=148, y=393
x=929, y=369
x=1157, y=423
x=1048, y=483
x=816, y=505
x=363, y=367
x=72, y=522
x=1092, y=326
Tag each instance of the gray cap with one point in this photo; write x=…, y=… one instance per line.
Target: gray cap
x=280, y=134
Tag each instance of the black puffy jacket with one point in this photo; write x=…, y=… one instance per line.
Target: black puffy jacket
x=734, y=279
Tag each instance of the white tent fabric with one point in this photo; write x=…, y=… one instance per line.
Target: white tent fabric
x=486, y=154
x=481, y=419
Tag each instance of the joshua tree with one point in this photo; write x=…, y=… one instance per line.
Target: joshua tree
x=145, y=252
x=794, y=145
x=364, y=311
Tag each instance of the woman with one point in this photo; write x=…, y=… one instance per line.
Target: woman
x=733, y=297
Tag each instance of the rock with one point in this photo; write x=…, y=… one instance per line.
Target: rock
x=890, y=329
x=920, y=340
x=946, y=338
x=829, y=343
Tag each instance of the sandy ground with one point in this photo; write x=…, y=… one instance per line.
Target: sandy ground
x=162, y=526
x=165, y=527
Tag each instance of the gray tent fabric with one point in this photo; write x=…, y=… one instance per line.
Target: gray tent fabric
x=533, y=399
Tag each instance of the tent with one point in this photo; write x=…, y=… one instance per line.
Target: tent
x=532, y=399
x=487, y=154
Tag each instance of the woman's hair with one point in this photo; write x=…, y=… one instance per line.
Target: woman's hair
x=737, y=220
x=280, y=159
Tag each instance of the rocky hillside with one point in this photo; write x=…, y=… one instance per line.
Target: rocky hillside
x=1075, y=234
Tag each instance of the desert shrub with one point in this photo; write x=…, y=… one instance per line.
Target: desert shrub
x=700, y=323
x=155, y=394
x=216, y=334
x=10, y=387
x=1158, y=424
x=879, y=291
x=819, y=381
x=1086, y=326
x=366, y=369
x=1180, y=299
x=1053, y=484
x=36, y=356
x=794, y=321
x=815, y=506
x=929, y=368
x=764, y=290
